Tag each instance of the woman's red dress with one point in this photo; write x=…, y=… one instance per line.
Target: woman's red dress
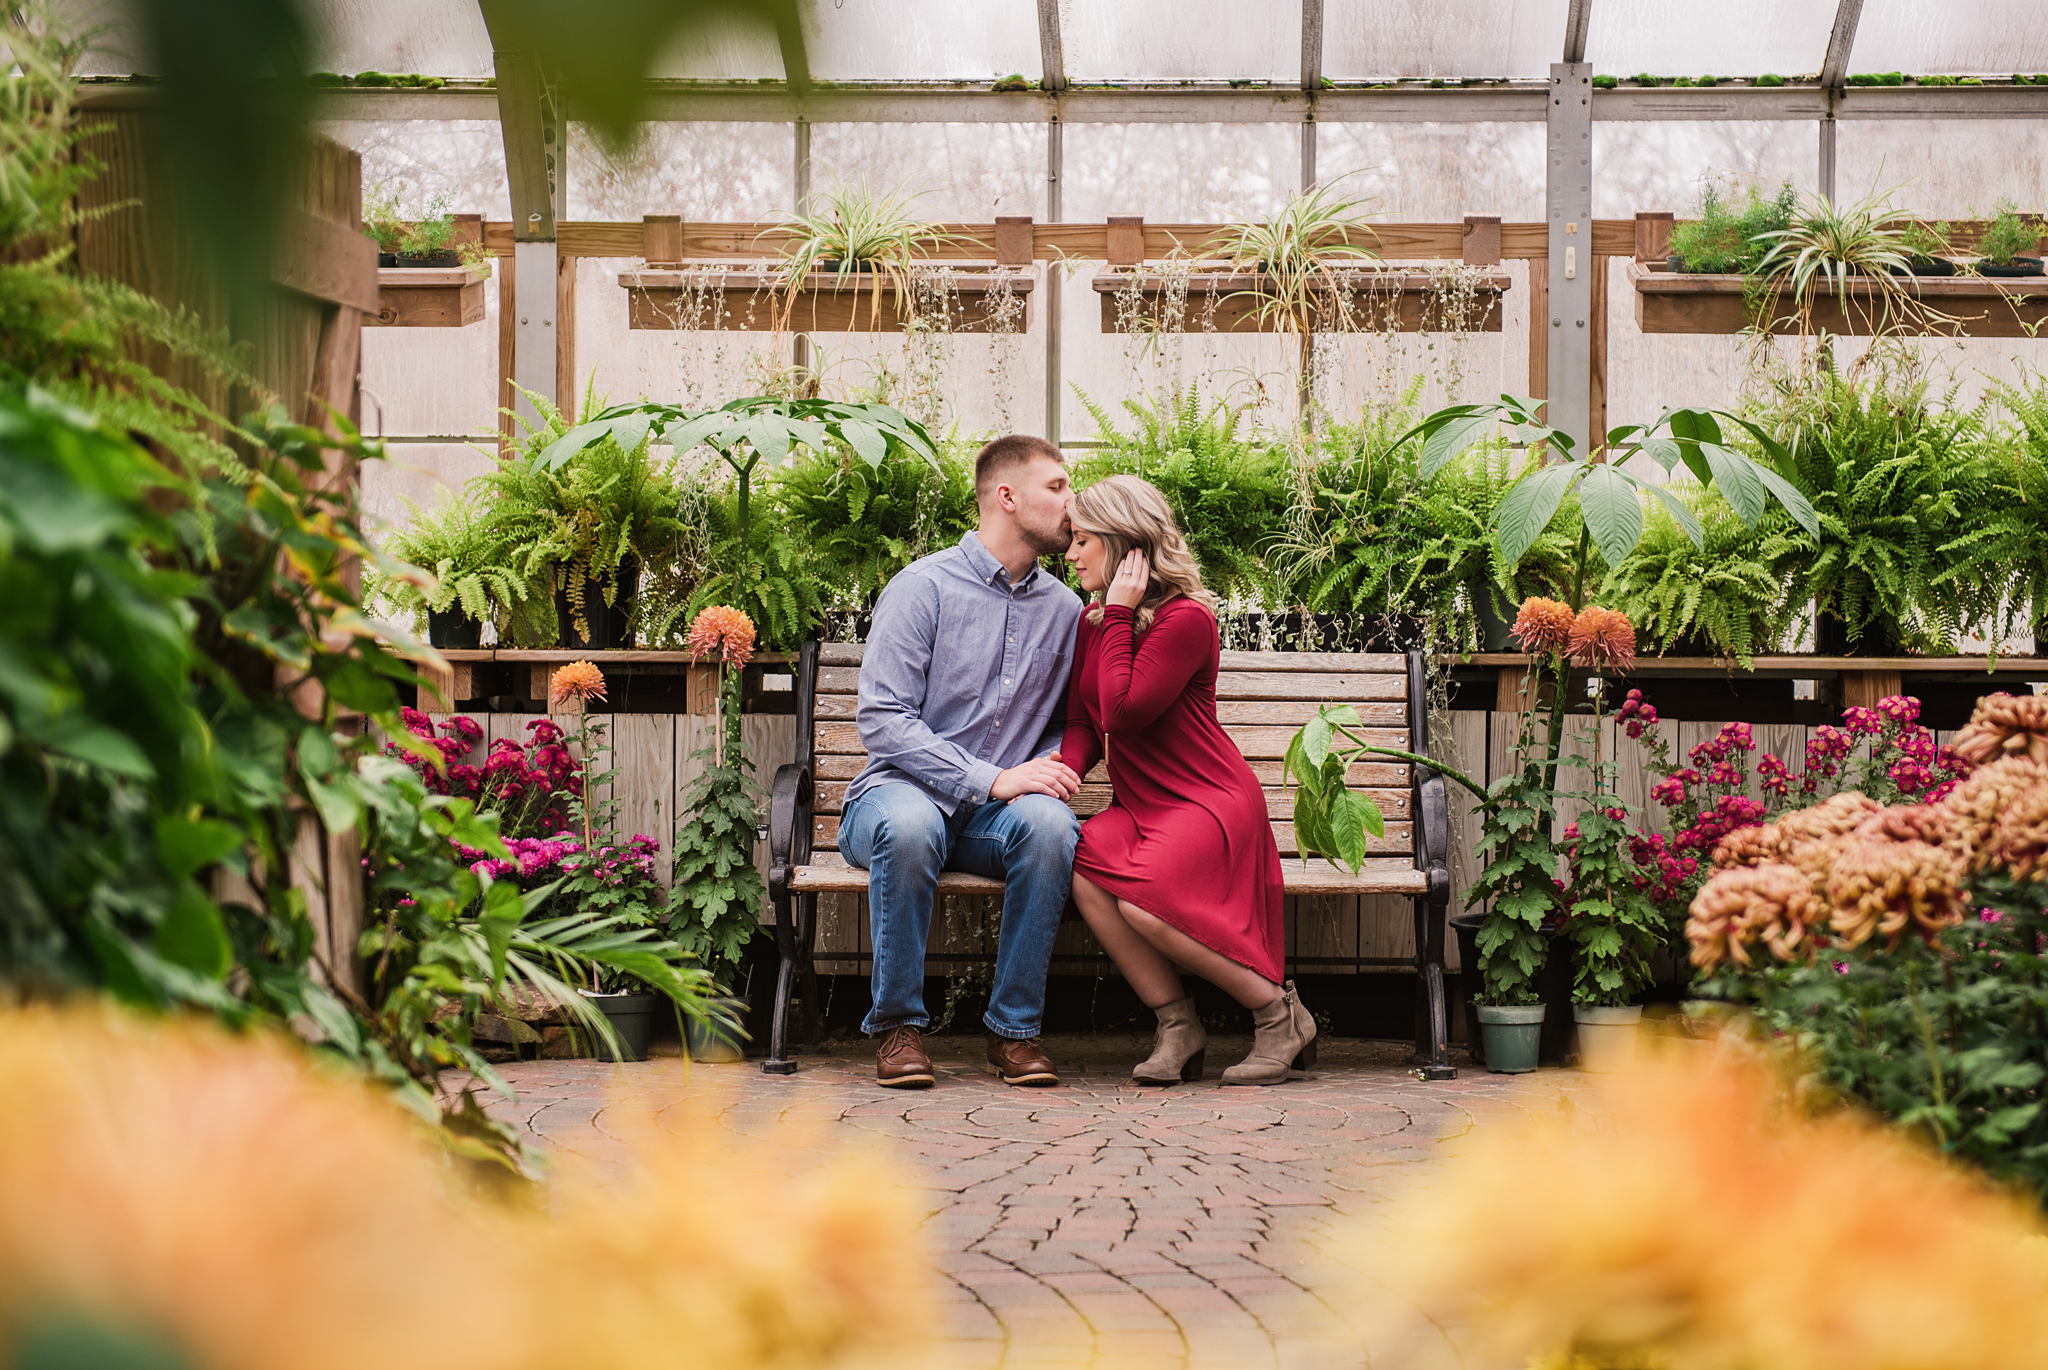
x=1186, y=838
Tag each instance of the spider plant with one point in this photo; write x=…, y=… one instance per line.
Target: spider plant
x=1828, y=245
x=1299, y=254
x=862, y=232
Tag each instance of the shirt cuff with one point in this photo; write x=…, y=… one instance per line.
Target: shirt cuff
x=981, y=778
x=1126, y=610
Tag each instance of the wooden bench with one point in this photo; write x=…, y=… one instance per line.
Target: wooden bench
x=1262, y=699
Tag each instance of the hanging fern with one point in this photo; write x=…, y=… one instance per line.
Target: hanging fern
x=1726, y=595
x=2004, y=557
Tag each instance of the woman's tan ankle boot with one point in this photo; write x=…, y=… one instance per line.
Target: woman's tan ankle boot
x=1177, y=1050
x=1285, y=1039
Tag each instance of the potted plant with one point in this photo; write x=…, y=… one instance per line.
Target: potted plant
x=858, y=236
x=1724, y=239
x=2004, y=240
x=582, y=522
x=717, y=894
x=469, y=561
x=1723, y=596
x=421, y=242
x=1832, y=249
x=1928, y=248
x=2004, y=548
x=1893, y=476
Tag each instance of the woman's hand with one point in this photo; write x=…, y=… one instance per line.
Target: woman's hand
x=1128, y=589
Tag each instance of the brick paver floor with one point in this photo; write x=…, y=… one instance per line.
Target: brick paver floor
x=1100, y=1222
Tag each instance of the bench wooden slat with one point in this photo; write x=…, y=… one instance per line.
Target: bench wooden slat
x=849, y=654
x=1400, y=838
x=830, y=797
x=1268, y=743
x=828, y=873
x=1282, y=712
x=1373, y=774
x=1322, y=686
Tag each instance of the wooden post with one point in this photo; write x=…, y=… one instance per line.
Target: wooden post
x=565, y=335
x=508, y=351
x=1539, y=328
x=1653, y=235
x=1482, y=240
x=1596, y=371
x=661, y=239
x=1862, y=689
x=1013, y=240
x=1126, y=240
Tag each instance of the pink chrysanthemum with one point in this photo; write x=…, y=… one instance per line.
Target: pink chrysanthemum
x=579, y=680
x=723, y=632
x=1603, y=639
x=1544, y=625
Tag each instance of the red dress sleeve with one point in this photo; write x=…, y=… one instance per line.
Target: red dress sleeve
x=1080, y=744
x=1140, y=682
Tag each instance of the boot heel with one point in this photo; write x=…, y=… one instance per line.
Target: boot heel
x=1307, y=1059
x=1192, y=1071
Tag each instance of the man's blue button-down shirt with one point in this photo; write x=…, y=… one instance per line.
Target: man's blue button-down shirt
x=965, y=674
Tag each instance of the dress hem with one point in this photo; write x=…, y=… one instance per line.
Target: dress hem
x=1172, y=919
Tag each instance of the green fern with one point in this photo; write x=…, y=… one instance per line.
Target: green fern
x=2004, y=557
x=1726, y=594
x=466, y=550
x=864, y=524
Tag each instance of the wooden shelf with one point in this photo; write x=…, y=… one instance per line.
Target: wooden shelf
x=1797, y=666
x=1977, y=306
x=750, y=300
x=428, y=297
x=1229, y=301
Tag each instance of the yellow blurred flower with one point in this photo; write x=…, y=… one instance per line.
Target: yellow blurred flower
x=2005, y=725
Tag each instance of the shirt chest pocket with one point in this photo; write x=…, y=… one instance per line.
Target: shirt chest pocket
x=1048, y=671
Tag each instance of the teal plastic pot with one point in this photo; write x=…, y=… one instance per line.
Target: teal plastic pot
x=1512, y=1035
x=1607, y=1037
x=632, y=1017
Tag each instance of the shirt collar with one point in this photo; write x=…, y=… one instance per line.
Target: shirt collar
x=991, y=571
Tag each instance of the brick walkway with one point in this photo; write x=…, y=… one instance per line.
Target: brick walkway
x=1101, y=1223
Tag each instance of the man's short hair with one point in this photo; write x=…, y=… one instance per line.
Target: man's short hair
x=999, y=457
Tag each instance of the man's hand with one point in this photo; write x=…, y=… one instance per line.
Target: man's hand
x=1127, y=591
x=1046, y=775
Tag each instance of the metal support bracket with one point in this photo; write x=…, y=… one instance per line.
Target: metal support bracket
x=1568, y=214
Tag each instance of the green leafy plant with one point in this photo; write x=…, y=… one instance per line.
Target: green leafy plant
x=431, y=231
x=862, y=231
x=1614, y=927
x=2003, y=549
x=862, y=524
x=571, y=517
x=1727, y=592
x=1827, y=247
x=718, y=892
x=1892, y=477
x=1228, y=489
x=1927, y=242
x=1724, y=239
x=1300, y=256
x=465, y=550
x=2007, y=235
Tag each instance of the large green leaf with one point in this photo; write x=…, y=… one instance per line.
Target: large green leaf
x=194, y=936
x=1613, y=513
x=96, y=744
x=1315, y=740
x=1738, y=479
x=866, y=440
x=1530, y=506
x=1450, y=432
x=1788, y=495
x=1682, y=512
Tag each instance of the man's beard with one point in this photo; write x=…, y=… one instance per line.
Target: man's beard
x=1047, y=542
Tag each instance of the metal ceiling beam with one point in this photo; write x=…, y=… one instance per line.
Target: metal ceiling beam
x=1834, y=69
x=1575, y=31
x=1506, y=102
x=1052, y=53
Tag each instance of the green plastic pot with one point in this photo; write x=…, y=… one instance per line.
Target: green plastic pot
x=1512, y=1035
x=1607, y=1037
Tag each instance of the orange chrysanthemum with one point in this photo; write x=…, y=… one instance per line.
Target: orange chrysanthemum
x=723, y=632
x=1544, y=626
x=1769, y=903
x=579, y=680
x=1603, y=639
x=2004, y=725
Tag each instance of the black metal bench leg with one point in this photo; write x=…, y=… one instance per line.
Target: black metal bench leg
x=787, y=944
x=807, y=924
x=1432, y=1019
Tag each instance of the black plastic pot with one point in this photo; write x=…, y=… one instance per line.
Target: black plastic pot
x=1930, y=266
x=453, y=628
x=387, y=259
x=1553, y=982
x=608, y=622
x=1831, y=638
x=2018, y=266
x=632, y=1017
x=447, y=258
x=1496, y=634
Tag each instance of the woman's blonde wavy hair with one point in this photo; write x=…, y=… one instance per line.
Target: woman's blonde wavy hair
x=1128, y=513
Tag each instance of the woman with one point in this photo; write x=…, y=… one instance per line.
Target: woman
x=1180, y=872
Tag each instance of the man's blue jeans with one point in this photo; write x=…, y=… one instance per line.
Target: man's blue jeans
x=903, y=839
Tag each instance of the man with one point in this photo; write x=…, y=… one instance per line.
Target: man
x=961, y=689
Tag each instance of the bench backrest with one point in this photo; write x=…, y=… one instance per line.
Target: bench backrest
x=1262, y=698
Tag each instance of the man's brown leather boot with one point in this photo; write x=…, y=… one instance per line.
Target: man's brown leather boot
x=900, y=1062
x=1020, y=1062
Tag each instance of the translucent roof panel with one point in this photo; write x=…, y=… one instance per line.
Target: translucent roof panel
x=1368, y=40
x=432, y=37
x=698, y=170
x=1663, y=164
x=1940, y=168
x=420, y=160
x=1180, y=40
x=1980, y=37
x=1436, y=173
x=1727, y=38
x=960, y=172
x=722, y=47
x=1179, y=173
x=921, y=40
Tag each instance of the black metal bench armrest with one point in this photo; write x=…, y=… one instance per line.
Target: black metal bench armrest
x=789, y=827
x=1435, y=820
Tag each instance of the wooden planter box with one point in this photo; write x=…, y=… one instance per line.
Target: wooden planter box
x=428, y=297
x=1979, y=306
x=1229, y=301
x=825, y=304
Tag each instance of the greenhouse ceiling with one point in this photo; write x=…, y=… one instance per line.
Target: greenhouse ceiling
x=1212, y=61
